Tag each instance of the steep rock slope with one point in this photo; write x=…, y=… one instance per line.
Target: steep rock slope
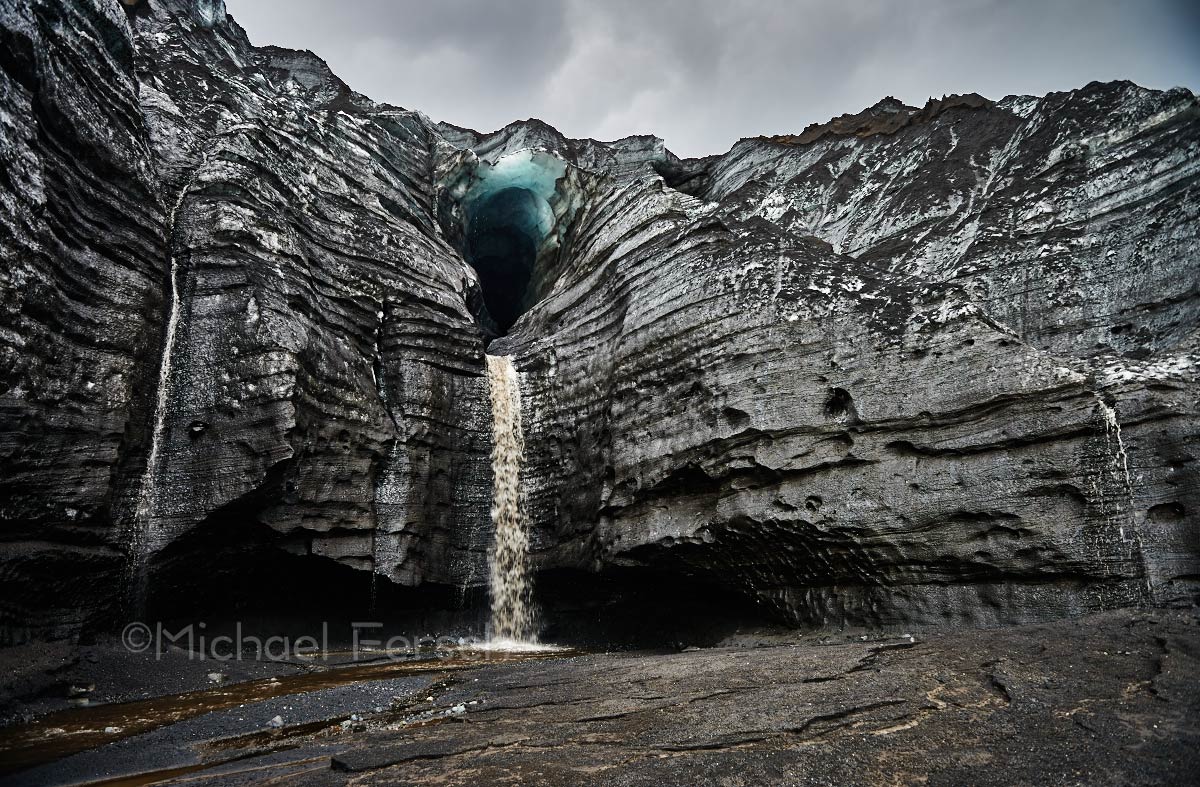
x=326, y=375
x=227, y=305
x=81, y=260
x=832, y=440
x=1070, y=218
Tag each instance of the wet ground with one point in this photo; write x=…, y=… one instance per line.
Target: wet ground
x=1105, y=699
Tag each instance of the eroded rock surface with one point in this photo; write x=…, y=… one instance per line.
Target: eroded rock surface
x=910, y=366
x=1103, y=699
x=866, y=382
x=82, y=248
x=1095, y=702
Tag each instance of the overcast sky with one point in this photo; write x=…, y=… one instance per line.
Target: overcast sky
x=703, y=73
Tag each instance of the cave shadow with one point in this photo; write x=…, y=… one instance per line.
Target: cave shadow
x=232, y=569
x=641, y=608
x=501, y=244
x=235, y=570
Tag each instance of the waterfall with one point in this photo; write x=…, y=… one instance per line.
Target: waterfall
x=140, y=536
x=143, y=541
x=1112, y=432
x=1112, y=428
x=160, y=402
x=512, y=615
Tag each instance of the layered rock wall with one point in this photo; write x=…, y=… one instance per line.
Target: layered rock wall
x=910, y=366
x=82, y=251
x=935, y=368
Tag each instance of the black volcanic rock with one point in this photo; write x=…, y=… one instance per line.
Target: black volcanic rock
x=887, y=116
x=82, y=252
x=966, y=404
x=913, y=365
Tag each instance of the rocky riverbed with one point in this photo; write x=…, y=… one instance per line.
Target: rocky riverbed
x=1101, y=699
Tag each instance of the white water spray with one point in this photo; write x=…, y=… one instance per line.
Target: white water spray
x=1112, y=431
x=512, y=614
x=160, y=402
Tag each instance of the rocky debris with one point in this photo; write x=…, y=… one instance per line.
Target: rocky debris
x=913, y=366
x=74, y=690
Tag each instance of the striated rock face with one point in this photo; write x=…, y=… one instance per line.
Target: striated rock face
x=910, y=366
x=82, y=246
x=326, y=377
x=942, y=370
x=325, y=374
x=1070, y=218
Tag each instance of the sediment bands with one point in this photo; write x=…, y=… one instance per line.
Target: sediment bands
x=917, y=364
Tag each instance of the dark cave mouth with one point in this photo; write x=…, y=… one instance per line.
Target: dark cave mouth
x=502, y=240
x=512, y=212
x=232, y=571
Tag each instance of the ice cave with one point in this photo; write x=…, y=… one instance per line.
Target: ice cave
x=508, y=214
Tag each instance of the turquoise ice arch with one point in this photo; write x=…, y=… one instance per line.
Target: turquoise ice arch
x=508, y=214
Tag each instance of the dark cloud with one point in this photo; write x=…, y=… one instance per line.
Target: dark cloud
x=702, y=73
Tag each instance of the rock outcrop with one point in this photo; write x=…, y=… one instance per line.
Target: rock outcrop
x=1104, y=698
x=910, y=366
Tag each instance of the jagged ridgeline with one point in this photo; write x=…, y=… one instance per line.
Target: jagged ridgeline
x=914, y=365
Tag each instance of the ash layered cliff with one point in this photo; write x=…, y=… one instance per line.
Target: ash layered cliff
x=914, y=365
x=939, y=367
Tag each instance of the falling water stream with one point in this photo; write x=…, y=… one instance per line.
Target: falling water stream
x=142, y=531
x=1112, y=430
x=512, y=615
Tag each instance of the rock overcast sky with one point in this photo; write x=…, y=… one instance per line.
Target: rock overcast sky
x=703, y=73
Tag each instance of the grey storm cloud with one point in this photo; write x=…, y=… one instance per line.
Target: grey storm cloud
x=703, y=73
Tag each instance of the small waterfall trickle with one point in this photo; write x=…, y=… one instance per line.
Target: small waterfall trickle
x=1112, y=432
x=142, y=538
x=1112, y=427
x=512, y=613
x=160, y=402
x=390, y=499
x=143, y=520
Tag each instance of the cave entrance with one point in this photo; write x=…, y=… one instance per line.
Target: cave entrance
x=502, y=245
x=511, y=215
